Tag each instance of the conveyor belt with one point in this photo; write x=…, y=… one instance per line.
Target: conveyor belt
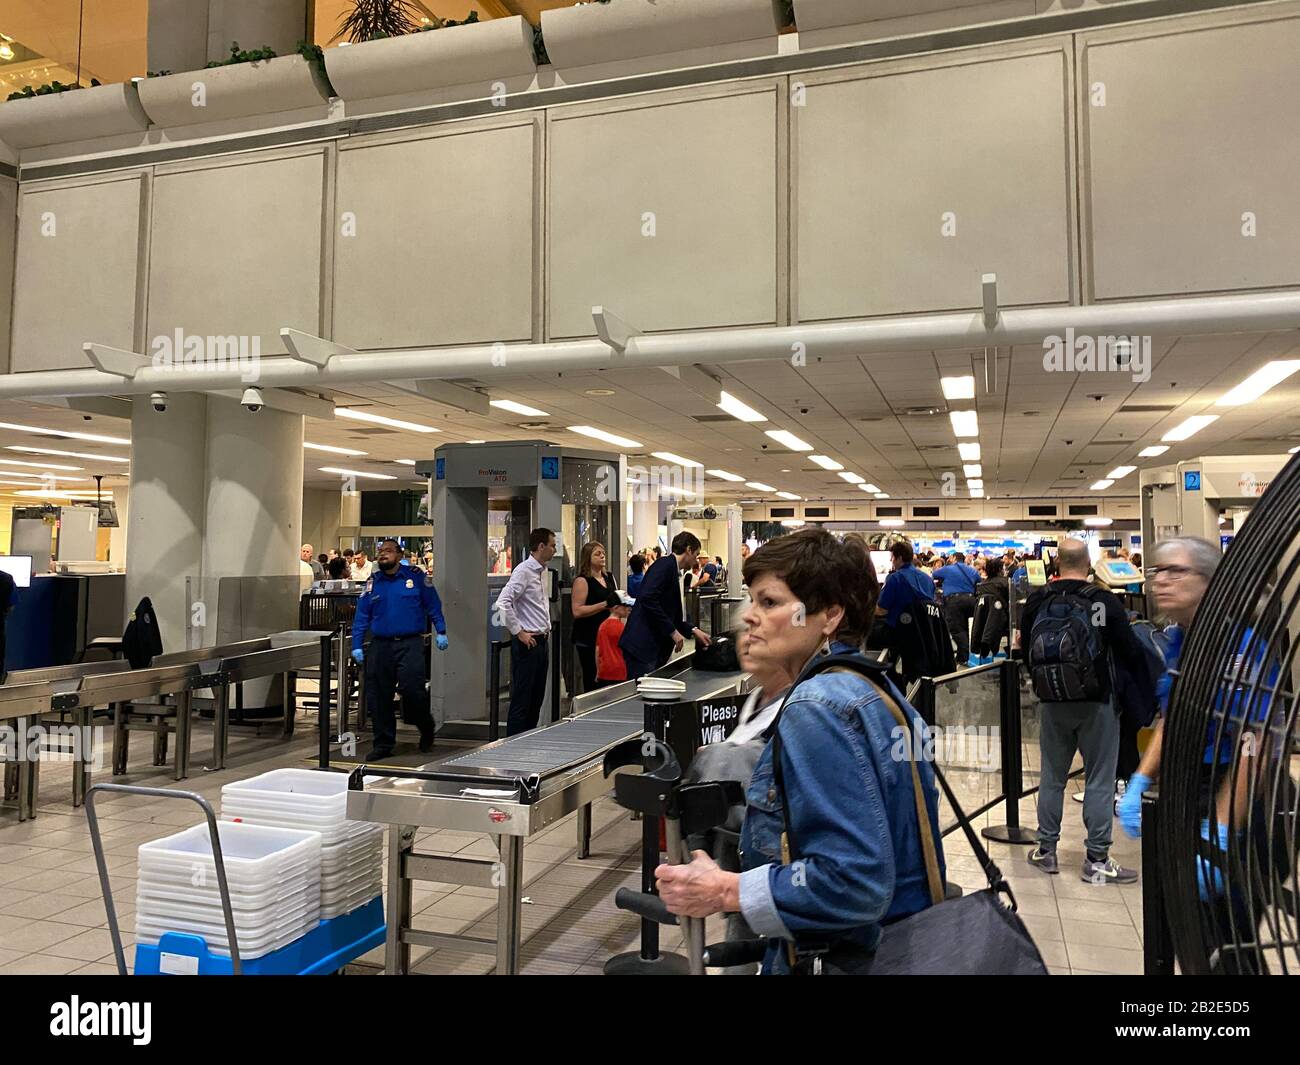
x=574, y=740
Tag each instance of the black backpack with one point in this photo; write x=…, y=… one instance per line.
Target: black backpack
x=1066, y=654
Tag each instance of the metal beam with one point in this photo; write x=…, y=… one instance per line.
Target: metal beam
x=469, y=400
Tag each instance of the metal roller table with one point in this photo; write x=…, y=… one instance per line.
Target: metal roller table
x=510, y=789
x=21, y=704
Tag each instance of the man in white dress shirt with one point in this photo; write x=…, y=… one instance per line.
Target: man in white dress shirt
x=524, y=608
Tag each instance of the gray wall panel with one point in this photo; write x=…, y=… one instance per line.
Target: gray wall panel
x=76, y=271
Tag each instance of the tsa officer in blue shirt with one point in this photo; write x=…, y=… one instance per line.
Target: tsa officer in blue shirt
x=903, y=586
x=395, y=609
x=958, y=581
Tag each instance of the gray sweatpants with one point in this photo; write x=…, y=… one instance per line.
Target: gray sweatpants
x=1092, y=729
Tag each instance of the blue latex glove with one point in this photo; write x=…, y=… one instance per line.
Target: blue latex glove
x=441, y=641
x=358, y=656
x=1130, y=807
x=1209, y=877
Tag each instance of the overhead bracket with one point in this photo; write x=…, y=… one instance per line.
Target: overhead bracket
x=458, y=397
x=991, y=313
x=312, y=349
x=114, y=361
x=612, y=329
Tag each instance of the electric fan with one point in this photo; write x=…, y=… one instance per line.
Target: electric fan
x=1227, y=835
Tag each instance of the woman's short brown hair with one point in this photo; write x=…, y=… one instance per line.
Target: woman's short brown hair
x=823, y=572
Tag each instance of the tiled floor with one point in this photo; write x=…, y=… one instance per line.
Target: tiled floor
x=52, y=916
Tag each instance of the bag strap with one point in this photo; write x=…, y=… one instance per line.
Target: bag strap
x=874, y=672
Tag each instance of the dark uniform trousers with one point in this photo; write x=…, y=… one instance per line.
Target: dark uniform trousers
x=396, y=664
x=528, y=667
x=958, y=610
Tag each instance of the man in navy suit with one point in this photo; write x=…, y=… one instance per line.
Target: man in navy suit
x=657, y=626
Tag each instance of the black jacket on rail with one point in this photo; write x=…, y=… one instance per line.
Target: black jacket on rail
x=142, y=640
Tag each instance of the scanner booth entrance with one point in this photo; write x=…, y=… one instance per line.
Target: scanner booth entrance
x=483, y=501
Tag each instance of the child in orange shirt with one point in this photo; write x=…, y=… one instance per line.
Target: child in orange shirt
x=610, y=667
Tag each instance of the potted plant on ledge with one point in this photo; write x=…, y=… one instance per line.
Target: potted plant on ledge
x=59, y=114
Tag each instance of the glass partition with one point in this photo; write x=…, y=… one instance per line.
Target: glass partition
x=72, y=42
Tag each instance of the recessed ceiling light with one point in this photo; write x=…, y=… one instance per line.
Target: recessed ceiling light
x=357, y=473
x=882, y=495
x=517, y=408
x=668, y=456
x=42, y=476
x=825, y=462
x=973, y=469
x=333, y=450
x=869, y=487
x=68, y=433
x=1190, y=426
x=891, y=523
x=1267, y=376
x=65, y=454
x=759, y=486
x=958, y=387
x=1120, y=471
x=37, y=465
x=405, y=462
x=723, y=475
x=1101, y=486
x=964, y=422
x=974, y=482
x=853, y=478
x=737, y=409
x=600, y=434
x=977, y=493
x=1152, y=451
x=788, y=495
x=791, y=441
x=598, y=392
x=1098, y=521
x=791, y=523
x=378, y=419
x=969, y=452
x=992, y=523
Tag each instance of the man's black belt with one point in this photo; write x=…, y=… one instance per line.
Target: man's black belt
x=394, y=639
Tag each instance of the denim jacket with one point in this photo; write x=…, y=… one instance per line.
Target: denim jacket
x=848, y=780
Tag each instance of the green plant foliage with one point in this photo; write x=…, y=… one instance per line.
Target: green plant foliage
x=48, y=90
x=157, y=73
x=237, y=56
x=786, y=10
x=315, y=55
x=539, y=47
x=441, y=23
x=372, y=20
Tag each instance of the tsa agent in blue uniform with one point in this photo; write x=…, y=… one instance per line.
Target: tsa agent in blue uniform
x=958, y=581
x=395, y=610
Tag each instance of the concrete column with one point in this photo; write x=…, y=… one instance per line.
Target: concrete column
x=459, y=677
x=254, y=24
x=645, y=515
x=117, y=537
x=166, y=509
x=253, y=506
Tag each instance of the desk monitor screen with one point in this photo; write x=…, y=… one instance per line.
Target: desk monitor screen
x=19, y=567
x=1119, y=570
x=883, y=562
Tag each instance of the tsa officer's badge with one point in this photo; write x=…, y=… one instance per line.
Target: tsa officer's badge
x=410, y=583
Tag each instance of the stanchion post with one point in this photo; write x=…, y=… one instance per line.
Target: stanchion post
x=494, y=698
x=1013, y=785
x=323, y=700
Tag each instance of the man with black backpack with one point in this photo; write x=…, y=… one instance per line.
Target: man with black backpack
x=1069, y=631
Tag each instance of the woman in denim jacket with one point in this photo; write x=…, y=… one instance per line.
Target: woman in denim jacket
x=847, y=776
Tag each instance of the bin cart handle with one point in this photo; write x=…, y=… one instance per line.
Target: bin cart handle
x=529, y=785
x=102, y=865
x=644, y=904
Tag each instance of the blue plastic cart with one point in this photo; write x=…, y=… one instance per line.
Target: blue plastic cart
x=325, y=949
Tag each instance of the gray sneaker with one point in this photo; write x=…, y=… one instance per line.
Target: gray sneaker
x=1107, y=872
x=1044, y=860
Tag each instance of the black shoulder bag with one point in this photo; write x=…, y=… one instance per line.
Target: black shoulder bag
x=975, y=935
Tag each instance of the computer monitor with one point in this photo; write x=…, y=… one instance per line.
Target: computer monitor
x=883, y=562
x=19, y=567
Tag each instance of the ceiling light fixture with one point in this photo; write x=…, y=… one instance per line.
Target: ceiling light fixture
x=973, y=469
x=68, y=433
x=65, y=454
x=958, y=387
x=37, y=465
x=737, y=409
x=891, y=523
x=1101, y=486
x=517, y=408
x=1120, y=472
x=723, y=475
x=825, y=462
x=405, y=462
x=1266, y=377
x=1152, y=451
x=791, y=441
x=668, y=456
x=791, y=523
x=974, y=482
x=882, y=495
x=759, y=486
x=964, y=422
x=600, y=434
x=977, y=493
x=357, y=473
x=1190, y=426
x=853, y=478
x=352, y=453
x=1098, y=522
x=788, y=495
x=378, y=419
x=992, y=523
x=969, y=452
x=869, y=487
